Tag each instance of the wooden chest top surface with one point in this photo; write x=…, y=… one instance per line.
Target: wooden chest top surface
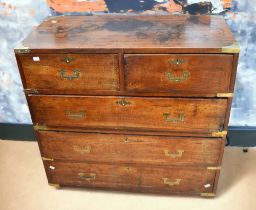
x=132, y=34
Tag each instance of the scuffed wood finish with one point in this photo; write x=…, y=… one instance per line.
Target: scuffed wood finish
x=131, y=178
x=70, y=73
x=109, y=148
x=144, y=111
x=155, y=114
x=134, y=34
x=204, y=74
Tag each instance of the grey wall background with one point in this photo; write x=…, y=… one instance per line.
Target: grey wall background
x=18, y=18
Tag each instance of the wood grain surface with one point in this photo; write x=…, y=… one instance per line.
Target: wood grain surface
x=70, y=73
x=155, y=114
x=131, y=178
x=130, y=102
x=133, y=149
x=178, y=74
x=137, y=33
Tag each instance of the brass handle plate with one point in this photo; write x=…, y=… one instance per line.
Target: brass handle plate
x=168, y=182
x=177, y=61
x=82, y=150
x=123, y=102
x=67, y=59
x=88, y=177
x=176, y=154
x=177, y=79
x=75, y=75
x=180, y=118
x=75, y=115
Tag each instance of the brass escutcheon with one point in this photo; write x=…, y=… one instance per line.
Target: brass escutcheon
x=67, y=59
x=176, y=154
x=75, y=115
x=177, y=61
x=177, y=79
x=126, y=140
x=123, y=102
x=89, y=177
x=180, y=118
x=82, y=150
x=171, y=183
x=75, y=75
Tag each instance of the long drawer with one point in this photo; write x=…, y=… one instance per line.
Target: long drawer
x=70, y=73
x=178, y=74
x=132, y=178
x=154, y=114
x=136, y=149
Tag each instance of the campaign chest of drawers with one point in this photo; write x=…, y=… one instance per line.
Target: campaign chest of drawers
x=134, y=103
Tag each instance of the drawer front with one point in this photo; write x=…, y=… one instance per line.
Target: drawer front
x=162, y=114
x=127, y=177
x=70, y=73
x=199, y=75
x=130, y=148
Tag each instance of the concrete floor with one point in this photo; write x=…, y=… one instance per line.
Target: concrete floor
x=23, y=186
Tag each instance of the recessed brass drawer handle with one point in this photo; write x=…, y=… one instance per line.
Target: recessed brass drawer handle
x=177, y=79
x=177, y=61
x=75, y=115
x=89, y=177
x=176, y=154
x=123, y=102
x=67, y=59
x=75, y=75
x=180, y=118
x=82, y=150
x=171, y=183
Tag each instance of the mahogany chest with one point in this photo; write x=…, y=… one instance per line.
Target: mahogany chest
x=134, y=103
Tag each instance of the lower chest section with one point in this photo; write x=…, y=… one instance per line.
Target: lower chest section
x=140, y=163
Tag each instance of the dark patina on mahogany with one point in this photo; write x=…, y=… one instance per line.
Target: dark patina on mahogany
x=125, y=113
x=71, y=73
x=131, y=178
x=136, y=103
x=133, y=34
x=135, y=149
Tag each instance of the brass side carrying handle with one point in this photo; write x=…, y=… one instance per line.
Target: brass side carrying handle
x=177, y=79
x=180, y=118
x=176, y=154
x=75, y=115
x=67, y=59
x=82, y=150
x=168, y=182
x=75, y=75
x=88, y=177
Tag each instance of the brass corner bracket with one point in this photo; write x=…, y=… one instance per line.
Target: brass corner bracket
x=31, y=91
x=219, y=134
x=234, y=48
x=208, y=194
x=39, y=127
x=214, y=168
x=21, y=49
x=225, y=95
x=47, y=159
x=57, y=186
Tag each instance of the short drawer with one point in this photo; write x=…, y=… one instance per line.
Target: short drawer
x=155, y=150
x=131, y=178
x=178, y=74
x=70, y=73
x=122, y=113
